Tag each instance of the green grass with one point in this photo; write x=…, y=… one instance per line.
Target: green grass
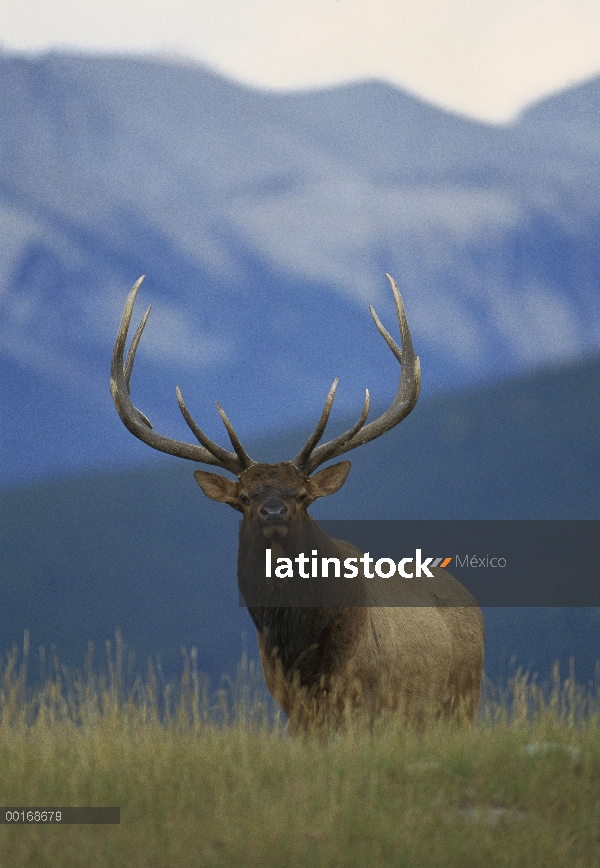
x=213, y=779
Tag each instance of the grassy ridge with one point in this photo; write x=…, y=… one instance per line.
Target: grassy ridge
x=216, y=782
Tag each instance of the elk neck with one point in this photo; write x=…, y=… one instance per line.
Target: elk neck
x=310, y=640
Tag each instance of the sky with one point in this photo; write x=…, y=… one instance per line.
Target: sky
x=486, y=59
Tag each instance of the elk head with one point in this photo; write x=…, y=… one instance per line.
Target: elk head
x=272, y=494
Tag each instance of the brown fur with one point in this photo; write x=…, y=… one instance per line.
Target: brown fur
x=414, y=647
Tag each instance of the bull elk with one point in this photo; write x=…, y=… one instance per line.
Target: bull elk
x=325, y=662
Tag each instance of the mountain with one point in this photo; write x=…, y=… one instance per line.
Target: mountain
x=144, y=551
x=265, y=223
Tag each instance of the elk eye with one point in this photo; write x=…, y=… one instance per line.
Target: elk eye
x=244, y=498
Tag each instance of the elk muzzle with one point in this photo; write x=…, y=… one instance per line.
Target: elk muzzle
x=273, y=513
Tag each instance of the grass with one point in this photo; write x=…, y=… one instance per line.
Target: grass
x=213, y=780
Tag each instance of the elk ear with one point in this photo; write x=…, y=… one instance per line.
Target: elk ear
x=218, y=488
x=329, y=480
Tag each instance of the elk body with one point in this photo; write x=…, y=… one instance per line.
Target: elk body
x=417, y=651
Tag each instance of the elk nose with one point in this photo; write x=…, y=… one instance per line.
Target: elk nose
x=273, y=510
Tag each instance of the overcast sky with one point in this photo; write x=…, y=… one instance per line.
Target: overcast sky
x=483, y=58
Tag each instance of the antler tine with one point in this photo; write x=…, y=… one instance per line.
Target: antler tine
x=224, y=458
x=404, y=401
x=241, y=453
x=303, y=459
x=334, y=447
x=222, y=455
x=134, y=420
x=314, y=438
x=128, y=367
x=386, y=335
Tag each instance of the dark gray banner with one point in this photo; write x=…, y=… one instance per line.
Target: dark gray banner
x=423, y=563
x=41, y=816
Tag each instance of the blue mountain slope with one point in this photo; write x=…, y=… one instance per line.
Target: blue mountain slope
x=146, y=552
x=568, y=121
x=265, y=223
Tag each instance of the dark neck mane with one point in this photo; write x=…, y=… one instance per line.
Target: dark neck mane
x=310, y=623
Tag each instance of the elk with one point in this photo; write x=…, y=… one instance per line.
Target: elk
x=418, y=654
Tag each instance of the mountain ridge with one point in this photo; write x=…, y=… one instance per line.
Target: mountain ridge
x=144, y=551
x=265, y=223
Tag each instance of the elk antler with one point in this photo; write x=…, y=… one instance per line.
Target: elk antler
x=309, y=457
x=209, y=452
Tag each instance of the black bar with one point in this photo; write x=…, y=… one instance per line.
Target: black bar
x=501, y=563
x=53, y=816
